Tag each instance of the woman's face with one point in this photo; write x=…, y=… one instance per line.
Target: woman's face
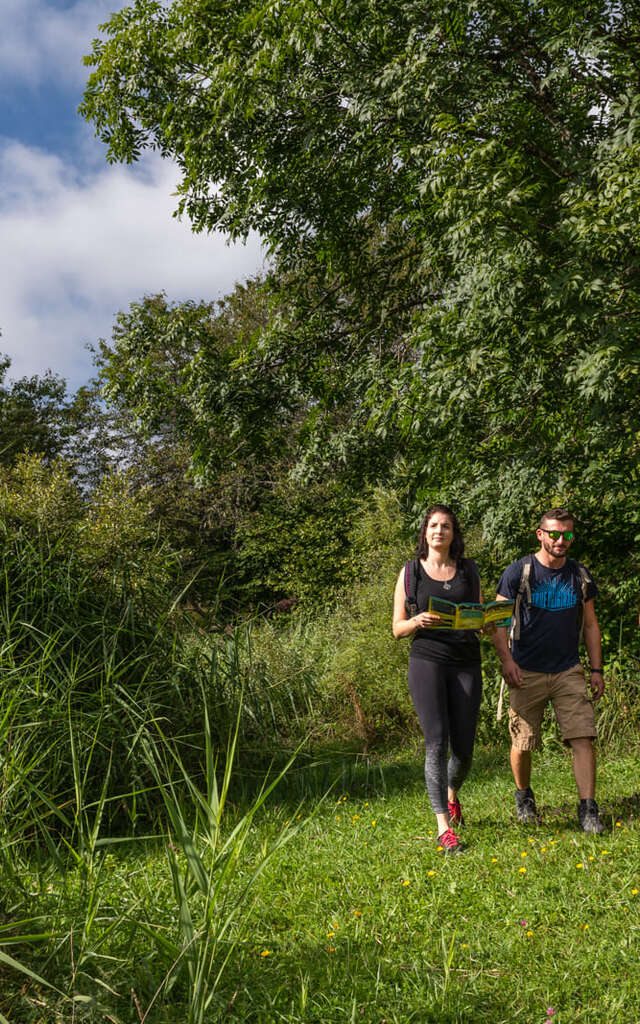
x=439, y=531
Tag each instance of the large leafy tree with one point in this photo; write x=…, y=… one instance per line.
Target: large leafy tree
x=450, y=192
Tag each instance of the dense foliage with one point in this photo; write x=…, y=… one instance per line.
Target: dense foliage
x=450, y=196
x=219, y=438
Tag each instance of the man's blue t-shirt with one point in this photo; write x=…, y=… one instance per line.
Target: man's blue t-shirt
x=550, y=624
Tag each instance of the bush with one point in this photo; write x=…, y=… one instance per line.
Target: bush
x=88, y=643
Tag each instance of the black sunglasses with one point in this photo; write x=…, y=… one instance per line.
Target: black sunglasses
x=556, y=534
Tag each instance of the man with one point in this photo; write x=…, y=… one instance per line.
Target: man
x=554, y=601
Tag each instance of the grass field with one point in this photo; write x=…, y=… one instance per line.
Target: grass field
x=351, y=913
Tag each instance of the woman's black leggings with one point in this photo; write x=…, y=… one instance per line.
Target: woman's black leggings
x=447, y=699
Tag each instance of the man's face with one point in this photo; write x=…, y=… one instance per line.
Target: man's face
x=555, y=548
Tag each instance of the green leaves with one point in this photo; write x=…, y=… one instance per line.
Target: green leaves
x=450, y=198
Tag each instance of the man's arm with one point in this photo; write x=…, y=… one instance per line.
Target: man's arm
x=593, y=643
x=510, y=670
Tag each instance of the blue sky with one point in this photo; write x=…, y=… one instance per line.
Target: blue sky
x=81, y=239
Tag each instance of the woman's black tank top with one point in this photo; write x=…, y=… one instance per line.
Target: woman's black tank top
x=460, y=646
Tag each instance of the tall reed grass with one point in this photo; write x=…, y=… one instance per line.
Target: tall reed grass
x=117, y=721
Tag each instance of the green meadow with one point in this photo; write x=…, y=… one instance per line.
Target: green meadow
x=201, y=826
x=341, y=907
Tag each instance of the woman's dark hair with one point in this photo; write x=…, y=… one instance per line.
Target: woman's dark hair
x=456, y=550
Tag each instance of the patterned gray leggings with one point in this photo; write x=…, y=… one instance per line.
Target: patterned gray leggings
x=447, y=700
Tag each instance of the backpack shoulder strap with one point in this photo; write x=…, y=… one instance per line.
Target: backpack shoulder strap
x=473, y=575
x=411, y=570
x=524, y=590
x=585, y=579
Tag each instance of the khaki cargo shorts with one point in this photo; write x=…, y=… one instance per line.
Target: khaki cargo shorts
x=567, y=691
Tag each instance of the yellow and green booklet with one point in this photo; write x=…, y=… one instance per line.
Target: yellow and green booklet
x=470, y=616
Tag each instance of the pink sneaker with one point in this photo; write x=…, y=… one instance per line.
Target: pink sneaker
x=449, y=842
x=455, y=812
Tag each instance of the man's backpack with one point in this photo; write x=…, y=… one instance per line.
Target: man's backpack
x=412, y=573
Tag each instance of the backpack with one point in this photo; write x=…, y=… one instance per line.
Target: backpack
x=412, y=572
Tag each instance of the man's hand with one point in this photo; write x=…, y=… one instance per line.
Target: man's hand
x=511, y=673
x=596, y=682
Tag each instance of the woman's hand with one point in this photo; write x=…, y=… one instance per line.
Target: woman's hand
x=426, y=620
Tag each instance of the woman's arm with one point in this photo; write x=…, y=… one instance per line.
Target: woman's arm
x=403, y=625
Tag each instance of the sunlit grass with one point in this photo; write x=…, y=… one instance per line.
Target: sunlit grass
x=502, y=933
x=358, y=916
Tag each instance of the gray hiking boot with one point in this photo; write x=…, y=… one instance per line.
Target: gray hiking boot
x=526, y=810
x=589, y=817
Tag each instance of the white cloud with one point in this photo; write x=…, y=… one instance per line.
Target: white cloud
x=78, y=247
x=40, y=41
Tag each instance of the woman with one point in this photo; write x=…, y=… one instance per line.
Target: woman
x=445, y=677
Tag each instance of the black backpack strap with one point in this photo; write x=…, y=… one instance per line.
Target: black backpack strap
x=473, y=575
x=411, y=570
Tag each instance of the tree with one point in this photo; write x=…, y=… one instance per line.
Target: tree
x=195, y=385
x=451, y=195
x=36, y=415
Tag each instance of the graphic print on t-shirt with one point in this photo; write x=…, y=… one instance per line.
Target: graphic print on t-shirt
x=553, y=594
